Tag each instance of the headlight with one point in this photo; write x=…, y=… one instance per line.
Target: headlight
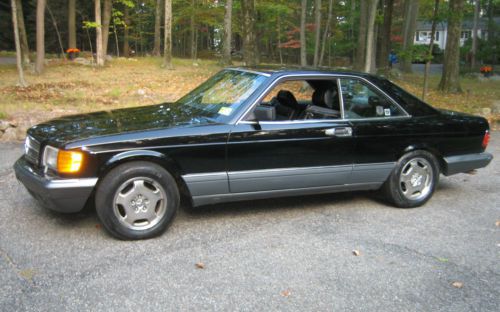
x=62, y=161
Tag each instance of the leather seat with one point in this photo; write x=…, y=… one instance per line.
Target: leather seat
x=325, y=105
x=287, y=107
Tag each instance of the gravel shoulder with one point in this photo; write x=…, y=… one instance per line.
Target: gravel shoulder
x=290, y=254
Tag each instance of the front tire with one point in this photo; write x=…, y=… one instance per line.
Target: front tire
x=137, y=200
x=413, y=180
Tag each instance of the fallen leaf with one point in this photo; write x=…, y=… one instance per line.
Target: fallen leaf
x=98, y=226
x=356, y=252
x=200, y=265
x=285, y=293
x=457, y=284
x=497, y=223
x=442, y=260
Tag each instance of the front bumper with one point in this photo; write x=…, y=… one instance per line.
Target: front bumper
x=63, y=195
x=465, y=163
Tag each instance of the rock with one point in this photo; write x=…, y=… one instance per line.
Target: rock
x=4, y=125
x=485, y=111
x=82, y=61
x=9, y=135
x=141, y=92
x=495, y=107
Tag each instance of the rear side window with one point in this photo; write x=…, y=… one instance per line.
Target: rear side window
x=363, y=101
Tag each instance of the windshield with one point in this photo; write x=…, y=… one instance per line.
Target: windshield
x=219, y=97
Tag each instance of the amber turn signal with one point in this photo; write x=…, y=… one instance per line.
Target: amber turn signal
x=69, y=161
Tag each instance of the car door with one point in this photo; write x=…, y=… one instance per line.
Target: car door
x=289, y=154
x=381, y=129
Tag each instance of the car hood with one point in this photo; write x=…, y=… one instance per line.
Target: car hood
x=84, y=126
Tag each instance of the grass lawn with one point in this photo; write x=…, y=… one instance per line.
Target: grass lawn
x=67, y=88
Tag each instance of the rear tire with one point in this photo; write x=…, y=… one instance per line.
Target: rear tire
x=137, y=200
x=413, y=180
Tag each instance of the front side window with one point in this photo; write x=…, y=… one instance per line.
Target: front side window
x=363, y=101
x=299, y=99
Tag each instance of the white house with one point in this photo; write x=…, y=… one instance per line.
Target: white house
x=423, y=32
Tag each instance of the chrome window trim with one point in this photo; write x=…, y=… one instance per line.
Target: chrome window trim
x=341, y=99
x=248, y=71
x=320, y=76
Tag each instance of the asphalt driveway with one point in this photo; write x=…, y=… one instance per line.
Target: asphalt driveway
x=280, y=254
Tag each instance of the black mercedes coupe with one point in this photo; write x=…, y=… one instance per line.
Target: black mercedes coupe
x=246, y=134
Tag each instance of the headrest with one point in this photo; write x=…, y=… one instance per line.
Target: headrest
x=324, y=97
x=287, y=98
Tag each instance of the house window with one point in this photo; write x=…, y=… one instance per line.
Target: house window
x=436, y=36
x=465, y=34
x=422, y=36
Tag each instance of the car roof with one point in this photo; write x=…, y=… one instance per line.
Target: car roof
x=278, y=69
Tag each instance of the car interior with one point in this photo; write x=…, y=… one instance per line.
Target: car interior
x=320, y=99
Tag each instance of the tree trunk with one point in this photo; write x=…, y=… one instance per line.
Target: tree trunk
x=54, y=22
x=167, y=46
x=226, y=54
x=25, y=51
x=409, y=27
x=249, y=39
x=117, y=46
x=370, y=35
x=193, y=34
x=473, y=51
x=157, y=39
x=429, y=54
x=317, y=37
x=40, y=36
x=278, y=25
x=71, y=24
x=384, y=36
x=450, y=81
x=303, y=43
x=98, y=31
x=326, y=33
x=19, y=62
x=106, y=19
x=126, y=19
x=359, y=63
x=491, y=30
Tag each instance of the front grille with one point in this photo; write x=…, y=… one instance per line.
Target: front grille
x=32, y=150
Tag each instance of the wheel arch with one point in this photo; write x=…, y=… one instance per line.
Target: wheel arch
x=427, y=148
x=155, y=157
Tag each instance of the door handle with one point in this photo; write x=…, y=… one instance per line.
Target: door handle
x=339, y=132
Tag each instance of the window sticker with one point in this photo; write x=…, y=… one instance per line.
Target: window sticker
x=379, y=110
x=387, y=112
x=226, y=111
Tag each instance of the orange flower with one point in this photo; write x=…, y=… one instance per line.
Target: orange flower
x=486, y=69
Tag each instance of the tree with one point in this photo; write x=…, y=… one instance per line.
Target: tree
x=226, y=50
x=126, y=20
x=303, y=47
x=326, y=33
x=450, y=81
x=40, y=36
x=25, y=51
x=359, y=63
x=317, y=22
x=370, y=34
x=71, y=24
x=106, y=19
x=157, y=38
x=431, y=47
x=193, y=31
x=473, y=51
x=384, y=35
x=21, y=82
x=98, y=31
x=250, y=56
x=409, y=27
x=167, y=45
